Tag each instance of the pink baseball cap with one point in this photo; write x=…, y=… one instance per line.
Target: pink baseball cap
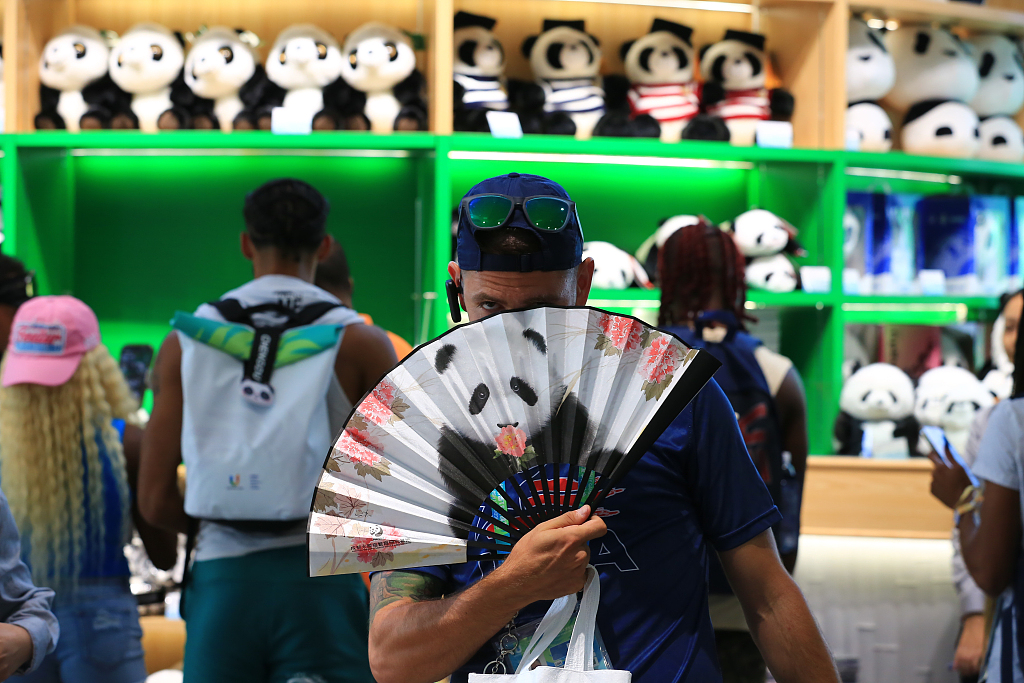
x=49, y=336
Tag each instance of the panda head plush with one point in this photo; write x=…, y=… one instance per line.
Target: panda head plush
x=613, y=267
x=647, y=254
x=735, y=63
x=761, y=233
x=304, y=56
x=876, y=392
x=220, y=62
x=870, y=70
x=562, y=51
x=772, y=273
x=663, y=56
x=944, y=128
x=1001, y=73
x=871, y=126
x=377, y=58
x=477, y=51
x=147, y=59
x=931, y=64
x=1001, y=139
x=949, y=397
x=73, y=59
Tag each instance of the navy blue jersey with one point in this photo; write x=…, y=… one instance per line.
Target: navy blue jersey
x=696, y=486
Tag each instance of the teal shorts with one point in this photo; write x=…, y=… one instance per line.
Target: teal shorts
x=260, y=619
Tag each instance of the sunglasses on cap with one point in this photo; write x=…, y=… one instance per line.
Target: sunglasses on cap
x=544, y=212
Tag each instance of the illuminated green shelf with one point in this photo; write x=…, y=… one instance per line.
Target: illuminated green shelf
x=650, y=298
x=214, y=140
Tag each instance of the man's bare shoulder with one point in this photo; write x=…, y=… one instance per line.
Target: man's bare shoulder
x=387, y=588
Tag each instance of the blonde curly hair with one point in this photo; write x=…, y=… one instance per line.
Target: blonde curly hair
x=43, y=432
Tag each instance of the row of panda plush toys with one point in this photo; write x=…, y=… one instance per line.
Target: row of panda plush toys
x=954, y=98
x=144, y=79
x=659, y=96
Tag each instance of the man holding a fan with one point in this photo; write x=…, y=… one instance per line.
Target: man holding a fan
x=695, y=490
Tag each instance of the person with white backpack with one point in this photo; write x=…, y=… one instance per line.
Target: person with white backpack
x=248, y=392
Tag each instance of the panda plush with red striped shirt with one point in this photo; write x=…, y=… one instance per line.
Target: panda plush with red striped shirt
x=660, y=68
x=734, y=73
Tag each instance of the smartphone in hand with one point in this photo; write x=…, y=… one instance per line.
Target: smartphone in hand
x=134, y=361
x=937, y=438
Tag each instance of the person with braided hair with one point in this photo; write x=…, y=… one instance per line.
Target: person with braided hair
x=703, y=300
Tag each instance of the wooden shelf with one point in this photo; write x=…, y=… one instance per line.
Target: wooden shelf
x=963, y=14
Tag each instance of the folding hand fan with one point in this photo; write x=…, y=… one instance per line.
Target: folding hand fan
x=491, y=429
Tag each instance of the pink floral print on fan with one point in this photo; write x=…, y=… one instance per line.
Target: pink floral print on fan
x=659, y=361
x=360, y=451
x=618, y=334
x=378, y=551
x=511, y=441
x=383, y=406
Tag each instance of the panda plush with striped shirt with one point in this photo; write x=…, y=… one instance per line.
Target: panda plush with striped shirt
x=660, y=68
x=734, y=88
x=479, y=72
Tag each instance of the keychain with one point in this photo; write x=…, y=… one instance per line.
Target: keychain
x=506, y=645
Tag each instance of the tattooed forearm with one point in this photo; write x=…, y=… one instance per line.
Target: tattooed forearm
x=390, y=587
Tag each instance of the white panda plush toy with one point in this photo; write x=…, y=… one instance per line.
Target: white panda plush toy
x=147, y=63
x=660, y=67
x=224, y=71
x=613, y=267
x=870, y=74
x=761, y=233
x=380, y=65
x=772, y=274
x=647, y=253
x=876, y=416
x=304, y=64
x=950, y=397
x=479, y=72
x=735, y=74
x=944, y=128
x=75, y=90
x=1000, y=96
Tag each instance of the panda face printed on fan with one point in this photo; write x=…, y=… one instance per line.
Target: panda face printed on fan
x=73, y=59
x=734, y=64
x=377, y=57
x=304, y=56
x=563, y=52
x=945, y=129
x=478, y=52
x=772, y=273
x=870, y=70
x=219, y=64
x=147, y=58
x=659, y=57
x=761, y=233
x=878, y=392
x=1001, y=69
x=1001, y=140
x=931, y=64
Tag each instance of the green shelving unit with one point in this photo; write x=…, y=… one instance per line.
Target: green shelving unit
x=142, y=225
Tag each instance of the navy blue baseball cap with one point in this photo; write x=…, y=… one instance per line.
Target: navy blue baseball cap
x=560, y=250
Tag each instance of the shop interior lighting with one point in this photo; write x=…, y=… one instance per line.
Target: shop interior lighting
x=240, y=152
x=959, y=311
x=527, y=157
x=890, y=174
x=706, y=5
x=888, y=25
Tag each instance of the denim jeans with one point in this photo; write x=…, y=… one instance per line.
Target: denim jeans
x=100, y=636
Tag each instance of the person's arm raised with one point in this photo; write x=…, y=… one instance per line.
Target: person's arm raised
x=417, y=636
x=365, y=355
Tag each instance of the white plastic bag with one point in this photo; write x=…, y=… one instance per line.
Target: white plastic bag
x=579, y=661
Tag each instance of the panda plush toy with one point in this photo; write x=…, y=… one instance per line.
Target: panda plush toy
x=935, y=78
x=304, y=69
x=147, y=63
x=734, y=73
x=1000, y=96
x=479, y=72
x=75, y=90
x=876, y=416
x=660, y=67
x=772, y=273
x=765, y=239
x=614, y=268
x=380, y=66
x=949, y=397
x=647, y=254
x=870, y=74
x=224, y=72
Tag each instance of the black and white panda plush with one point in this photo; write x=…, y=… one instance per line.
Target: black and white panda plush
x=75, y=90
x=224, y=71
x=147, y=63
x=479, y=72
x=761, y=233
x=734, y=73
x=660, y=67
x=304, y=69
x=647, y=253
x=870, y=74
x=877, y=413
x=772, y=273
x=945, y=128
x=613, y=267
x=380, y=66
x=1000, y=96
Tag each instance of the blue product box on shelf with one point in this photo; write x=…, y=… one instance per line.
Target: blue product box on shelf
x=968, y=239
x=858, y=239
x=894, y=254
x=1015, y=276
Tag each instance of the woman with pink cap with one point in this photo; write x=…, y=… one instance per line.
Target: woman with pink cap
x=68, y=462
